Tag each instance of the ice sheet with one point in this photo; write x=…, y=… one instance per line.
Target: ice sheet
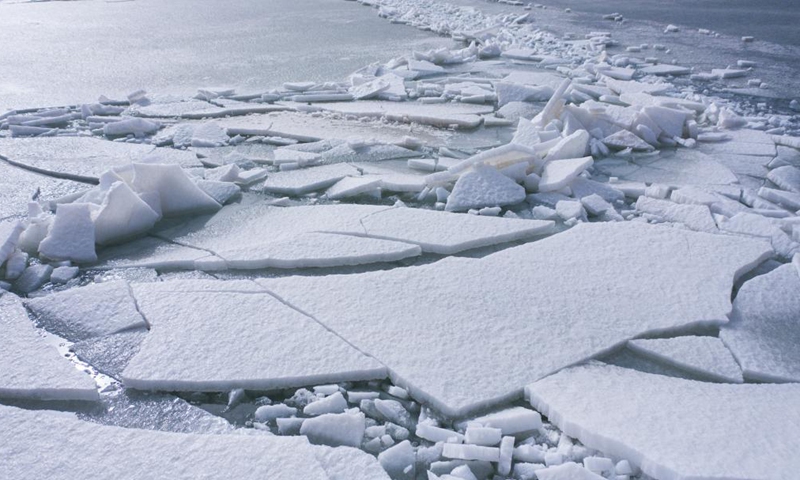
x=764, y=330
x=212, y=336
x=94, y=310
x=91, y=447
x=33, y=369
x=737, y=431
x=424, y=334
x=704, y=356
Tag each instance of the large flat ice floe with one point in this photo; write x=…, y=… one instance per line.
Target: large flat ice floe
x=764, y=331
x=86, y=158
x=251, y=236
x=217, y=336
x=85, y=450
x=31, y=368
x=464, y=333
x=736, y=431
x=703, y=356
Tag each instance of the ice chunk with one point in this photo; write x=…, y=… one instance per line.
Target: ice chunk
x=515, y=92
x=345, y=463
x=331, y=404
x=694, y=217
x=299, y=182
x=636, y=260
x=9, y=236
x=726, y=442
x=399, y=460
x=471, y=452
x=438, y=434
x=269, y=413
x=444, y=115
x=353, y=186
x=122, y=216
x=71, y=236
x=624, y=139
x=139, y=127
x=301, y=351
x=665, y=69
x=511, y=421
x=703, y=356
x=486, y=436
x=175, y=192
x=222, y=192
x=335, y=429
x=158, y=454
x=91, y=311
x=789, y=200
x=786, y=177
x=33, y=369
x=33, y=277
x=484, y=187
x=755, y=225
x=764, y=330
x=558, y=174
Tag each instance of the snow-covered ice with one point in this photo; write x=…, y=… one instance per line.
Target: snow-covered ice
x=703, y=356
x=31, y=367
x=764, y=330
x=737, y=431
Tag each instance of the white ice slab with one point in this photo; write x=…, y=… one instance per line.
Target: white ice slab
x=9, y=236
x=85, y=312
x=215, y=337
x=306, y=180
x=173, y=190
x=33, y=369
x=353, y=186
x=442, y=115
x=344, y=463
x=737, y=431
x=652, y=279
x=703, y=356
x=71, y=235
x=94, y=448
x=484, y=187
x=694, y=217
x=122, y=216
x=85, y=158
x=151, y=252
x=764, y=331
x=683, y=167
x=558, y=174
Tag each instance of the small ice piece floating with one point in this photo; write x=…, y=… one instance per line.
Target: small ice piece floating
x=92, y=311
x=218, y=336
x=764, y=331
x=703, y=356
x=644, y=279
x=260, y=236
x=31, y=368
x=25, y=434
x=737, y=431
x=85, y=159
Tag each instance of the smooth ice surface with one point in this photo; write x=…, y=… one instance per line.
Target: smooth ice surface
x=440, y=115
x=682, y=167
x=94, y=310
x=175, y=192
x=217, y=336
x=85, y=158
x=737, y=431
x=81, y=448
x=558, y=174
x=764, y=331
x=298, y=182
x=30, y=367
x=644, y=279
x=71, y=235
x=703, y=356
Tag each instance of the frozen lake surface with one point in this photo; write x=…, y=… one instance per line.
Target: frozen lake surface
x=59, y=53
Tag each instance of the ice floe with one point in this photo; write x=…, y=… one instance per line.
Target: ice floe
x=593, y=403
x=765, y=326
x=703, y=356
x=33, y=368
x=433, y=306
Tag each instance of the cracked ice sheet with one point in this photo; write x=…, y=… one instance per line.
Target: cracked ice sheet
x=91, y=311
x=260, y=236
x=309, y=129
x=217, y=336
x=706, y=357
x=438, y=115
x=86, y=158
x=464, y=334
x=737, y=431
x=152, y=252
x=764, y=331
x=33, y=369
x=17, y=187
x=678, y=168
x=82, y=449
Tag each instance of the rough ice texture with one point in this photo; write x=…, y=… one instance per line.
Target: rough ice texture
x=85, y=158
x=32, y=369
x=127, y=453
x=484, y=187
x=567, y=471
x=683, y=167
x=217, y=336
x=704, y=356
x=91, y=311
x=737, y=431
x=644, y=279
x=151, y=252
x=344, y=463
x=764, y=331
